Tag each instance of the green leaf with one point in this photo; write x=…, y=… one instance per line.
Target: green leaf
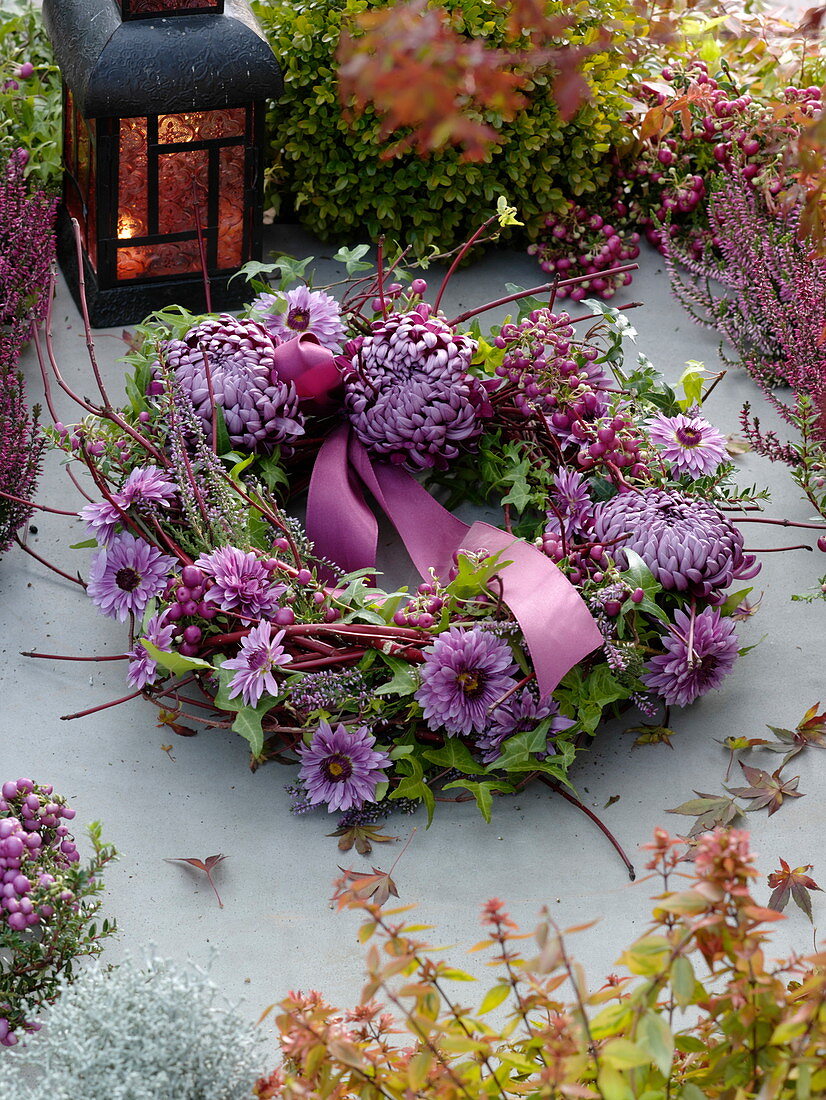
x=493, y=998
x=656, y=1036
x=89, y=544
x=223, y=443
x=455, y=754
x=482, y=792
x=352, y=258
x=404, y=680
x=612, y=1020
x=623, y=1054
x=683, y=981
x=692, y=380
x=174, y=662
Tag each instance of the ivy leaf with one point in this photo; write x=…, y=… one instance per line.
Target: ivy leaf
x=352, y=258
x=766, y=790
x=482, y=792
x=174, y=662
x=455, y=754
x=795, y=884
x=206, y=866
x=404, y=680
x=378, y=886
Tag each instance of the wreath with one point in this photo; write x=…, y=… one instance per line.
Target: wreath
x=606, y=583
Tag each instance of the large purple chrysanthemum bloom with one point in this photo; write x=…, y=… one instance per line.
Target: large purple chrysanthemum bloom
x=687, y=543
x=260, y=655
x=573, y=503
x=341, y=767
x=408, y=393
x=690, y=444
x=127, y=575
x=518, y=714
x=142, y=667
x=464, y=673
x=259, y=412
x=241, y=582
x=307, y=310
x=697, y=658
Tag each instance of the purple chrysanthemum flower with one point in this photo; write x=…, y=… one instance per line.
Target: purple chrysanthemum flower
x=690, y=444
x=464, y=673
x=408, y=394
x=145, y=485
x=142, y=667
x=259, y=409
x=341, y=767
x=260, y=654
x=241, y=582
x=307, y=310
x=127, y=575
x=520, y=713
x=101, y=519
x=687, y=543
x=698, y=657
x=573, y=503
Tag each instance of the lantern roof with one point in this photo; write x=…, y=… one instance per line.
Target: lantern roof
x=160, y=64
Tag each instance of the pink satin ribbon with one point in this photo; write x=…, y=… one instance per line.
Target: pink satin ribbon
x=555, y=622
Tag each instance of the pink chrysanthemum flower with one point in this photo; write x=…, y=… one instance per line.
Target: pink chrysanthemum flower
x=241, y=582
x=699, y=655
x=464, y=673
x=690, y=444
x=127, y=575
x=307, y=310
x=142, y=667
x=145, y=485
x=341, y=767
x=101, y=519
x=260, y=655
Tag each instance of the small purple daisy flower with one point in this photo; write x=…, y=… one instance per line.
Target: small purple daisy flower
x=241, y=582
x=127, y=575
x=260, y=654
x=520, y=713
x=698, y=657
x=145, y=484
x=464, y=672
x=142, y=667
x=690, y=444
x=573, y=503
x=101, y=519
x=341, y=767
x=307, y=310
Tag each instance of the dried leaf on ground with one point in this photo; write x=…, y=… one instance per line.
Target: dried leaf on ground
x=795, y=884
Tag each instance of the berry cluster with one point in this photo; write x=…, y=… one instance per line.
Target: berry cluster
x=581, y=243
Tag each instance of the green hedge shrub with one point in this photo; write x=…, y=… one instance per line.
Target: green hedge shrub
x=342, y=189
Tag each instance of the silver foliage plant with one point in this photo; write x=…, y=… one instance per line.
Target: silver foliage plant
x=156, y=1031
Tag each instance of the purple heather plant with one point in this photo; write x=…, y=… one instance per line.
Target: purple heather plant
x=229, y=362
x=125, y=576
x=688, y=543
x=341, y=767
x=408, y=393
x=241, y=582
x=306, y=310
x=700, y=652
x=465, y=672
x=258, y=659
x=689, y=444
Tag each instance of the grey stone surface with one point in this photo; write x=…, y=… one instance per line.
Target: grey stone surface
x=277, y=930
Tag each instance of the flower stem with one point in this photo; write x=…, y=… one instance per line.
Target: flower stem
x=48, y=564
x=559, y=789
x=64, y=657
x=102, y=706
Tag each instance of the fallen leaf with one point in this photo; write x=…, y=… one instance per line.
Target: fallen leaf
x=205, y=865
x=766, y=790
x=652, y=735
x=614, y=798
x=377, y=886
x=362, y=836
x=795, y=884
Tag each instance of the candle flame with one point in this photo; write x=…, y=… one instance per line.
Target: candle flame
x=128, y=226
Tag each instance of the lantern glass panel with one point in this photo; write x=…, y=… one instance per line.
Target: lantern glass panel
x=178, y=174
x=79, y=176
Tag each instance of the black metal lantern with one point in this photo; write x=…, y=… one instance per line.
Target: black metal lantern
x=163, y=149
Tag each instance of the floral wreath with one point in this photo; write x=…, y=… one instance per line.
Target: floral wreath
x=606, y=585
